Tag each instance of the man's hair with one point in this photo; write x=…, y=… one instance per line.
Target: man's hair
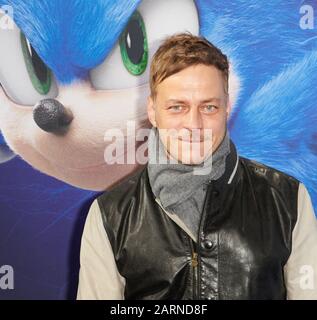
x=183, y=50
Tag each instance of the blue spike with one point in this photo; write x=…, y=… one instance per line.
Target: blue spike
x=274, y=120
x=72, y=36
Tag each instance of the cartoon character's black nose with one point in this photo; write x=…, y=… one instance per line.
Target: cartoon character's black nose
x=51, y=116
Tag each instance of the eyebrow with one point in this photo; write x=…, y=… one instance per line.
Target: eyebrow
x=202, y=101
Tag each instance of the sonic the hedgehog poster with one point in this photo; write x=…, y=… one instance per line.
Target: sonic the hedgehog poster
x=71, y=70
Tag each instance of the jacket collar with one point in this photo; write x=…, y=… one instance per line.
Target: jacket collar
x=229, y=178
x=231, y=173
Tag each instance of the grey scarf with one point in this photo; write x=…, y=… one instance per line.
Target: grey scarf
x=178, y=188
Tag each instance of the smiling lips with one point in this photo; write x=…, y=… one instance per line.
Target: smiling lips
x=198, y=136
x=194, y=138
x=191, y=140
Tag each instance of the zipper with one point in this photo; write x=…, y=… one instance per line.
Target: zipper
x=194, y=259
x=194, y=264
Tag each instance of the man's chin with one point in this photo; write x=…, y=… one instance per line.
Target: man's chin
x=190, y=153
x=195, y=153
x=191, y=158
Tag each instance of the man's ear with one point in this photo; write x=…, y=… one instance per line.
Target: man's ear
x=151, y=111
x=228, y=107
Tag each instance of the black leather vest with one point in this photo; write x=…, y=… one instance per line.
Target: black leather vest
x=244, y=237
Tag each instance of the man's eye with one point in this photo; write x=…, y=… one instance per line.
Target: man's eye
x=210, y=108
x=176, y=108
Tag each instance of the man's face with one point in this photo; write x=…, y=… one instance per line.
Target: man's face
x=190, y=111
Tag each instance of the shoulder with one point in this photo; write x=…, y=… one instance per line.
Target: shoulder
x=122, y=193
x=269, y=176
x=274, y=189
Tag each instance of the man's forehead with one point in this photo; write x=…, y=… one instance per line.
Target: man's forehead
x=200, y=99
x=180, y=88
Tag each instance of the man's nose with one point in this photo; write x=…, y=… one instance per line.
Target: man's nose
x=51, y=116
x=193, y=119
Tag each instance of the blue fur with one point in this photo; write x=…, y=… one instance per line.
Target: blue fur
x=260, y=38
x=275, y=118
x=76, y=35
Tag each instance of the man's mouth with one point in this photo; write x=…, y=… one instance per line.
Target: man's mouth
x=199, y=140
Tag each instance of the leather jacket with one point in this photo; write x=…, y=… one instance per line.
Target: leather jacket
x=243, y=243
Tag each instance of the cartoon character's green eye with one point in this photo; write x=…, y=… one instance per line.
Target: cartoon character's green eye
x=39, y=74
x=134, y=45
x=127, y=64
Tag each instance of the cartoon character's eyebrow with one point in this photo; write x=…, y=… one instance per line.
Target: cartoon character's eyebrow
x=72, y=36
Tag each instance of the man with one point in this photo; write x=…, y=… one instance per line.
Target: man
x=208, y=225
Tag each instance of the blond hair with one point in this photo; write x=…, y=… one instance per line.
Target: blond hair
x=182, y=50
